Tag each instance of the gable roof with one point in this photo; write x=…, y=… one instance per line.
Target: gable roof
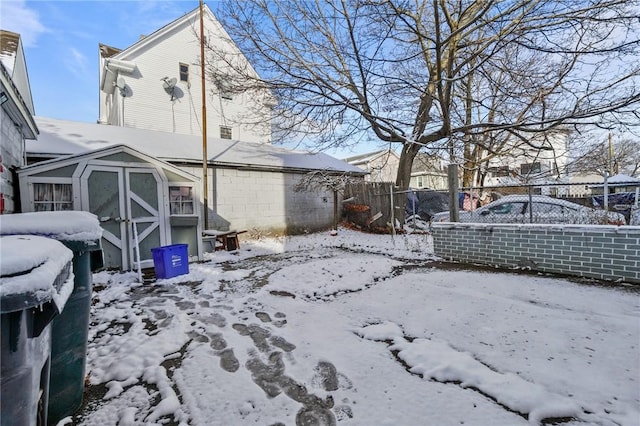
x=9, y=45
x=14, y=82
x=61, y=138
x=425, y=163
x=102, y=152
x=161, y=32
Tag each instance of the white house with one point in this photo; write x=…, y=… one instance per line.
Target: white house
x=543, y=159
x=16, y=117
x=381, y=166
x=156, y=83
x=427, y=171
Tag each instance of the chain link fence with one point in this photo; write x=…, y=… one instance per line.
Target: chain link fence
x=375, y=206
x=547, y=204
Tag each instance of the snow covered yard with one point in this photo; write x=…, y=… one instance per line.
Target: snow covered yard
x=359, y=329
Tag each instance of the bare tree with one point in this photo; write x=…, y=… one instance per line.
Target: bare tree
x=597, y=158
x=424, y=73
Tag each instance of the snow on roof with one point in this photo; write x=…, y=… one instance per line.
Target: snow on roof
x=61, y=225
x=29, y=270
x=60, y=137
x=622, y=178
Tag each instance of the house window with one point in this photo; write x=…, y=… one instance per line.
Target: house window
x=48, y=197
x=502, y=171
x=184, y=72
x=225, y=91
x=225, y=132
x=181, y=200
x=529, y=168
x=420, y=182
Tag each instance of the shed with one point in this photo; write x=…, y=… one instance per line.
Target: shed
x=250, y=185
x=135, y=197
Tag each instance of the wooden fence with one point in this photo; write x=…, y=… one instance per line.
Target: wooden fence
x=369, y=205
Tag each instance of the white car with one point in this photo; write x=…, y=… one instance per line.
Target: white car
x=540, y=209
x=634, y=218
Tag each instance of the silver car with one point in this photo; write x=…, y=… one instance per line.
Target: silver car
x=538, y=209
x=634, y=218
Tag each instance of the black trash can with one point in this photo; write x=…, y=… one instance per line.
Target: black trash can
x=35, y=283
x=80, y=232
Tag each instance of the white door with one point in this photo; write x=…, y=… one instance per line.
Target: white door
x=120, y=196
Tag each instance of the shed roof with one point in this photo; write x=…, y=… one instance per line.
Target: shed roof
x=60, y=138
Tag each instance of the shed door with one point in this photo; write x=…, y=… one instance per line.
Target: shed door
x=119, y=197
x=144, y=204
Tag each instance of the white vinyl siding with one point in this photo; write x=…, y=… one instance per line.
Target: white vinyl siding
x=150, y=107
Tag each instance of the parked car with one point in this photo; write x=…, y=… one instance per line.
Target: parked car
x=541, y=209
x=425, y=202
x=622, y=202
x=634, y=218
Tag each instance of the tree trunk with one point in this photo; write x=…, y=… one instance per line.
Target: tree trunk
x=408, y=154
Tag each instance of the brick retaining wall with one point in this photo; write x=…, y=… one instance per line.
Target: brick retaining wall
x=602, y=252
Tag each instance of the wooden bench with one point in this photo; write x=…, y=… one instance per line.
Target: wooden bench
x=222, y=240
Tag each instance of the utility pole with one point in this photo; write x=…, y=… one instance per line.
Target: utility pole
x=205, y=158
x=610, y=162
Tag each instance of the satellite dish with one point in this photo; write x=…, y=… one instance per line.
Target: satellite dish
x=169, y=86
x=122, y=85
x=169, y=83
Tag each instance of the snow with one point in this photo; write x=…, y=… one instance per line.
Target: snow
x=61, y=137
x=358, y=329
x=29, y=266
x=60, y=225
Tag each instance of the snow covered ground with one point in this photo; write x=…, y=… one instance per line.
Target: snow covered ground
x=359, y=329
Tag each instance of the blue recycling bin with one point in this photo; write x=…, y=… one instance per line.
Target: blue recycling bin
x=171, y=261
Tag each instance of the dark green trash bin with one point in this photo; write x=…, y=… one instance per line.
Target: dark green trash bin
x=80, y=232
x=70, y=332
x=35, y=284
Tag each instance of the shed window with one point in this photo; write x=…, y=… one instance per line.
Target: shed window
x=184, y=72
x=181, y=200
x=49, y=197
x=225, y=132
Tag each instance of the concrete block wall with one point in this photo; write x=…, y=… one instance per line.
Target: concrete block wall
x=601, y=252
x=267, y=201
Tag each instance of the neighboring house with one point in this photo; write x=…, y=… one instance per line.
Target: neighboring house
x=427, y=171
x=16, y=117
x=156, y=83
x=617, y=183
x=381, y=166
x=251, y=186
x=543, y=160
